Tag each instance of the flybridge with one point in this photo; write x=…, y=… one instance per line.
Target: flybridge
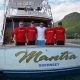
x=35, y=8
x=25, y=3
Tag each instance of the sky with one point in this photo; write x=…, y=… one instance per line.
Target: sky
x=59, y=8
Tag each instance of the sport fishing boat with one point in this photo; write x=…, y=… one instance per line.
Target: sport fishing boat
x=33, y=60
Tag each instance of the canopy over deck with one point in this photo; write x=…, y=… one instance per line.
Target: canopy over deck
x=21, y=13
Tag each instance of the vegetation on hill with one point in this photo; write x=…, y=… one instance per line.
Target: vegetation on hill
x=71, y=22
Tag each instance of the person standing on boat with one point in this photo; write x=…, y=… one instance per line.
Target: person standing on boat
x=41, y=34
x=31, y=34
x=49, y=35
x=60, y=34
x=20, y=34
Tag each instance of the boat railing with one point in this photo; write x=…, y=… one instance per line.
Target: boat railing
x=28, y=13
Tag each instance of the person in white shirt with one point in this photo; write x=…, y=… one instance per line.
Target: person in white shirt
x=41, y=34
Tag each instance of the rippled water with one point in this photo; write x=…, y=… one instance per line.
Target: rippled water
x=75, y=76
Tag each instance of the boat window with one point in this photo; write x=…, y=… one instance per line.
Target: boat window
x=39, y=9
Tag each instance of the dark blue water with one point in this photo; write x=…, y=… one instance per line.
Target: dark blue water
x=75, y=76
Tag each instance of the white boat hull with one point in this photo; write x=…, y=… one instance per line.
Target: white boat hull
x=37, y=59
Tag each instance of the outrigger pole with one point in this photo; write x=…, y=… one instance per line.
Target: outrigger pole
x=50, y=12
x=4, y=21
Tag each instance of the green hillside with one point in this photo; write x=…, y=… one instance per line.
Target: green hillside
x=72, y=24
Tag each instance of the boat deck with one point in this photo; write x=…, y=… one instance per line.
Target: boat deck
x=34, y=46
